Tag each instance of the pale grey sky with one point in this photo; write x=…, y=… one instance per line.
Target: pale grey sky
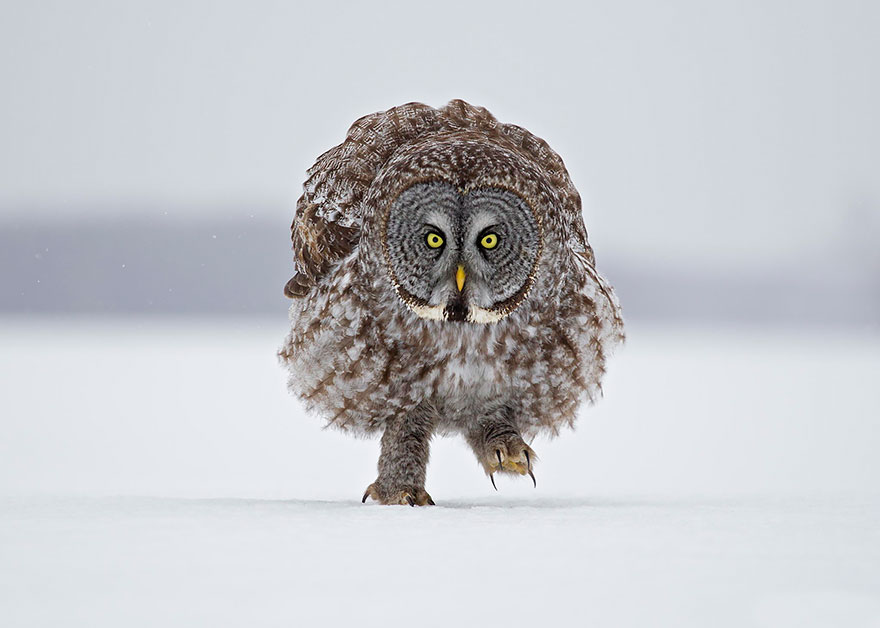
x=731, y=133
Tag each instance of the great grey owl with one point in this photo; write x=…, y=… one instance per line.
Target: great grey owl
x=444, y=285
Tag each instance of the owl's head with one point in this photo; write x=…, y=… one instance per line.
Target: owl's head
x=461, y=253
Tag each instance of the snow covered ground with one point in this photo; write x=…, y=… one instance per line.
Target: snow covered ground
x=156, y=473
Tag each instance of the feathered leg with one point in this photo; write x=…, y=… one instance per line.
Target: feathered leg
x=403, y=461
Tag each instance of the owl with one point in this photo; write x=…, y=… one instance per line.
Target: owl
x=444, y=286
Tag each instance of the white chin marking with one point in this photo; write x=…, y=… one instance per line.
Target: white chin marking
x=430, y=312
x=476, y=314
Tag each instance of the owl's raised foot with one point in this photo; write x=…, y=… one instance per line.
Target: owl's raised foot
x=409, y=496
x=508, y=453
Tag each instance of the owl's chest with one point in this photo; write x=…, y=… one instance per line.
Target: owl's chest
x=464, y=378
x=476, y=363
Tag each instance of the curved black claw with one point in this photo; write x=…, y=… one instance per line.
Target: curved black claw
x=367, y=494
x=410, y=500
x=498, y=453
x=529, y=466
x=431, y=501
x=492, y=477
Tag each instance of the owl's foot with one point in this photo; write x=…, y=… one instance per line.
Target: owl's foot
x=508, y=453
x=407, y=496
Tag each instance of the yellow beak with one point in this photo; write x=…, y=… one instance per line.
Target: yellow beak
x=459, y=277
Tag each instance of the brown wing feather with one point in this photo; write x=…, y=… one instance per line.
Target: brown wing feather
x=326, y=227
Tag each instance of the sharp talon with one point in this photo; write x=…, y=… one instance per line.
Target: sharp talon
x=410, y=500
x=528, y=460
x=534, y=481
x=498, y=453
x=431, y=501
x=492, y=477
x=367, y=494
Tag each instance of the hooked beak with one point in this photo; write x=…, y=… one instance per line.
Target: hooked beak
x=459, y=277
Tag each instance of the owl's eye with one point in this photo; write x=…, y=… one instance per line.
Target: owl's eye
x=434, y=240
x=489, y=241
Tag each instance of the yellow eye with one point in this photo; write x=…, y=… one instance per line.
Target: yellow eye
x=489, y=241
x=434, y=240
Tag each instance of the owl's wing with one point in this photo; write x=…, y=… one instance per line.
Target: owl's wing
x=326, y=227
x=318, y=243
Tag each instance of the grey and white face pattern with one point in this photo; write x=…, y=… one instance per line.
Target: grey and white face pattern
x=461, y=255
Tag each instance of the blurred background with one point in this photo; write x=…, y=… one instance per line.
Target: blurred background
x=151, y=154
x=727, y=155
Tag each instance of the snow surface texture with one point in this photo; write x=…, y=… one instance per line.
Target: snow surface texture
x=156, y=473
